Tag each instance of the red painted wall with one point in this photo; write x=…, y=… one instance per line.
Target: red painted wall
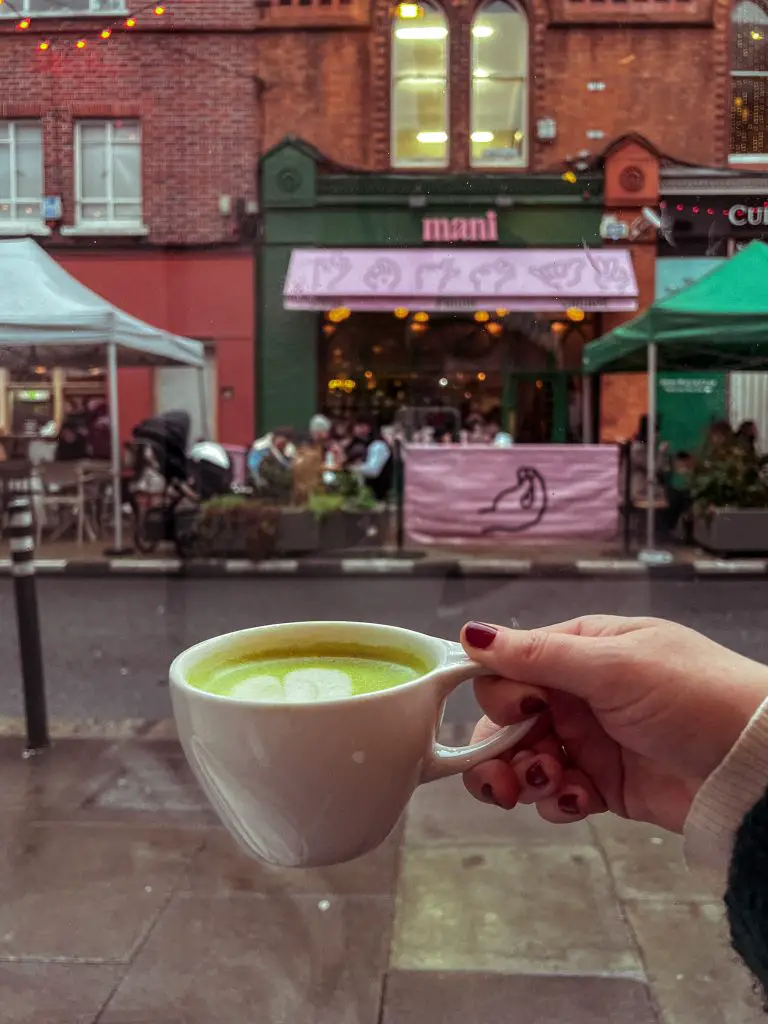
x=204, y=295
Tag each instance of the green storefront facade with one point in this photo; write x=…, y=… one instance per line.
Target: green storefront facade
x=305, y=202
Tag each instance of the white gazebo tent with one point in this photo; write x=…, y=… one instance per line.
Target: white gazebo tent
x=47, y=317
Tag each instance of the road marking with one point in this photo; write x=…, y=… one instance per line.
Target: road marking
x=383, y=565
x=144, y=565
x=717, y=565
x=609, y=565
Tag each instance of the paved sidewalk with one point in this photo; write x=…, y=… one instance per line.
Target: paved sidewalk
x=502, y=559
x=125, y=903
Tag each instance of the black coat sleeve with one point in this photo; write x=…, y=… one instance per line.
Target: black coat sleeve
x=746, y=898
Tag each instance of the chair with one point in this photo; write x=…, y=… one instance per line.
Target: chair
x=64, y=491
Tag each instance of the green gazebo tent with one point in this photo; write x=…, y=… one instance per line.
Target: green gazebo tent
x=719, y=322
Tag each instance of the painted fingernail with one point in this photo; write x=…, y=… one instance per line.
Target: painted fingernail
x=487, y=794
x=569, y=804
x=478, y=634
x=536, y=776
x=533, y=706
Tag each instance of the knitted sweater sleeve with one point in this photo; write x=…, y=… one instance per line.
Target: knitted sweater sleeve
x=732, y=789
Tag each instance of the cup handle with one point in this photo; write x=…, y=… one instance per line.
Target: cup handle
x=444, y=761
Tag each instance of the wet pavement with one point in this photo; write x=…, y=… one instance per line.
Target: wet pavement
x=123, y=902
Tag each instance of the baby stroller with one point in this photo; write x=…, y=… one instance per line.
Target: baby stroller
x=169, y=485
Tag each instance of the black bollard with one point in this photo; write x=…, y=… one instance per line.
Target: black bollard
x=21, y=531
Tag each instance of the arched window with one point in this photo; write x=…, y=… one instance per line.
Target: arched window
x=419, y=110
x=499, y=136
x=749, y=82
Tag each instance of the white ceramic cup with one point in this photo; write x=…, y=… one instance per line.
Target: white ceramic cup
x=309, y=784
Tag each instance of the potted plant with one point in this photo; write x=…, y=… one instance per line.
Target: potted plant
x=729, y=489
x=348, y=514
x=233, y=526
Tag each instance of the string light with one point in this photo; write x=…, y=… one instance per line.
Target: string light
x=81, y=43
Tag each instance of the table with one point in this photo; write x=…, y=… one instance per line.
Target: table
x=455, y=494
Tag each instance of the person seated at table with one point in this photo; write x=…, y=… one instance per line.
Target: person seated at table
x=274, y=472
x=369, y=455
x=746, y=436
x=73, y=436
x=638, y=461
x=678, y=519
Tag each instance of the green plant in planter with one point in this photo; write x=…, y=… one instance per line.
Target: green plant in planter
x=729, y=477
x=238, y=526
x=349, y=494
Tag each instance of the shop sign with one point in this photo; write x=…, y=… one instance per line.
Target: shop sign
x=699, y=216
x=461, y=229
x=742, y=216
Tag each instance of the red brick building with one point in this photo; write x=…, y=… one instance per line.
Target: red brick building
x=151, y=138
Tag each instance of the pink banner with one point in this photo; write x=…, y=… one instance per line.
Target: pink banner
x=460, y=493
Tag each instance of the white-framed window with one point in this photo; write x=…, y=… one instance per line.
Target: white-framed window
x=749, y=82
x=499, y=108
x=21, y=173
x=62, y=8
x=108, y=174
x=419, y=90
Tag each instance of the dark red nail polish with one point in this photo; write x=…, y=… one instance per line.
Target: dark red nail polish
x=536, y=776
x=478, y=634
x=487, y=794
x=569, y=804
x=533, y=706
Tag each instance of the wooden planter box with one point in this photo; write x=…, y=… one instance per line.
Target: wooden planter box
x=237, y=536
x=300, y=532
x=733, y=531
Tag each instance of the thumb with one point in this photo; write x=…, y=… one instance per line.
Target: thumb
x=554, y=657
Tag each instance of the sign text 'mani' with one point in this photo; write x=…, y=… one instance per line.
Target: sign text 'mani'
x=461, y=229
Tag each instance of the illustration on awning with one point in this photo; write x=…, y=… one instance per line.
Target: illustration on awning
x=461, y=280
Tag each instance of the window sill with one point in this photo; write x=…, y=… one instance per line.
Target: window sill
x=20, y=230
x=748, y=159
x=104, y=231
x=67, y=15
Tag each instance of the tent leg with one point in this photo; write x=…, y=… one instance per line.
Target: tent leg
x=114, y=425
x=205, y=425
x=651, y=555
x=651, y=461
x=586, y=409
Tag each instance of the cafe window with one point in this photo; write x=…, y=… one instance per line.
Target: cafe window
x=419, y=108
x=499, y=85
x=749, y=82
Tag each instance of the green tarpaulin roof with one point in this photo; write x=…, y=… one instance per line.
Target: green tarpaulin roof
x=718, y=322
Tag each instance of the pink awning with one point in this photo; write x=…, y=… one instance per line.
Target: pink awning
x=462, y=280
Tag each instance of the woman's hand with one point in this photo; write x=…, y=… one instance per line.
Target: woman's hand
x=635, y=714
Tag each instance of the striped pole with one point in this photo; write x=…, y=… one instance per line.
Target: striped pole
x=21, y=531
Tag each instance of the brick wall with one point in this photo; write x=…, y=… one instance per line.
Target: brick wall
x=193, y=79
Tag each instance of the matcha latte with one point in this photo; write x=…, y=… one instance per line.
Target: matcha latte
x=316, y=673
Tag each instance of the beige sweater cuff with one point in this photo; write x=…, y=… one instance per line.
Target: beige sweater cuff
x=732, y=789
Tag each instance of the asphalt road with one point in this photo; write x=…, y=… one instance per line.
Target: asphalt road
x=108, y=643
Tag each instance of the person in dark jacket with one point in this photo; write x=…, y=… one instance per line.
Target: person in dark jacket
x=370, y=457
x=645, y=719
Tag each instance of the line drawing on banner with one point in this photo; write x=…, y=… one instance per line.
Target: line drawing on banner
x=383, y=275
x=329, y=271
x=446, y=269
x=530, y=493
x=494, y=274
